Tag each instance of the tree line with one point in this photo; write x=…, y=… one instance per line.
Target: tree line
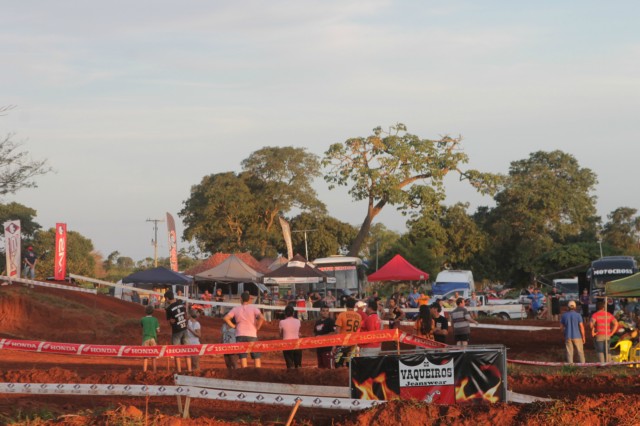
x=543, y=218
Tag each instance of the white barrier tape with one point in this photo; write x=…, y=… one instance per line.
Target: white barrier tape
x=193, y=392
x=50, y=285
x=562, y=364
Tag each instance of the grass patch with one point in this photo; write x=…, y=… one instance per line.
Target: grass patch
x=34, y=418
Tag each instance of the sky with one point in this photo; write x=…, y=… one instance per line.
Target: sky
x=132, y=103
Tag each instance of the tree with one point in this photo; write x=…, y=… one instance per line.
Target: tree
x=80, y=259
x=236, y=212
x=546, y=203
x=457, y=237
x=17, y=169
x=26, y=216
x=397, y=168
x=380, y=241
x=622, y=230
x=326, y=236
x=219, y=212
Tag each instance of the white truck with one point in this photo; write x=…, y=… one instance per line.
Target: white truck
x=450, y=282
x=502, y=308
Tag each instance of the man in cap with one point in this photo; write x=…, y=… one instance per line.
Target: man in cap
x=572, y=326
x=30, y=259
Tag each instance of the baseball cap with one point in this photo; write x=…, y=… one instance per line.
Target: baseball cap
x=360, y=304
x=571, y=304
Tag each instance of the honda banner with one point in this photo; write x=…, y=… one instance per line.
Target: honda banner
x=12, y=237
x=173, y=242
x=60, y=267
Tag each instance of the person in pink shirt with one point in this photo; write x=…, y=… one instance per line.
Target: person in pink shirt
x=290, y=330
x=372, y=323
x=249, y=319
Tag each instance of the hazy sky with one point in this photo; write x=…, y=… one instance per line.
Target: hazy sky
x=134, y=102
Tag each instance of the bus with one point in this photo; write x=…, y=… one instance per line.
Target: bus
x=609, y=268
x=348, y=272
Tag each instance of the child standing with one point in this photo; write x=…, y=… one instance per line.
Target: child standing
x=150, y=330
x=193, y=336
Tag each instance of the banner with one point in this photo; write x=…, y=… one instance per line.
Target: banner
x=60, y=269
x=12, y=247
x=439, y=377
x=286, y=233
x=173, y=243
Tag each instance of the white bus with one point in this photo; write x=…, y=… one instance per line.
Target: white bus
x=348, y=272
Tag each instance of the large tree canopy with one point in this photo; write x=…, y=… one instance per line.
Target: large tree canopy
x=546, y=203
x=237, y=212
x=397, y=168
x=622, y=231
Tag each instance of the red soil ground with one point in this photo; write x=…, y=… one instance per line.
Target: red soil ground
x=597, y=397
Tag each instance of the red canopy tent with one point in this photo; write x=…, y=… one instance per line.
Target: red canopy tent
x=398, y=269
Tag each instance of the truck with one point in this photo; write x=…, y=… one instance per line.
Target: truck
x=450, y=282
x=502, y=308
x=568, y=289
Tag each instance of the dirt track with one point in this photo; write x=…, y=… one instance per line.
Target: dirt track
x=54, y=315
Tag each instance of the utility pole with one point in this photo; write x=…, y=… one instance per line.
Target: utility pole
x=155, y=240
x=306, y=250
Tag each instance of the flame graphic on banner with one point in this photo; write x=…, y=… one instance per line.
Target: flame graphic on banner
x=489, y=395
x=367, y=388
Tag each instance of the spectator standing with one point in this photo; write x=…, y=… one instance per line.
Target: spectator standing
x=372, y=323
x=219, y=297
x=572, y=326
x=554, y=295
x=347, y=322
x=603, y=325
x=473, y=303
x=177, y=317
x=395, y=314
x=585, y=299
x=425, y=325
x=150, y=330
x=412, y=300
x=249, y=320
x=441, y=323
x=301, y=304
x=290, y=330
x=325, y=325
x=536, y=302
x=330, y=299
x=30, y=259
x=267, y=300
x=361, y=307
x=194, y=332
x=229, y=336
x=461, y=319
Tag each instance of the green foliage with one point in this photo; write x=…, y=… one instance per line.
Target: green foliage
x=546, y=203
x=622, y=230
x=79, y=258
x=326, y=235
x=236, y=212
x=397, y=168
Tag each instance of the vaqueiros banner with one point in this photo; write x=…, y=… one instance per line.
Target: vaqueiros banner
x=173, y=242
x=12, y=235
x=60, y=268
x=440, y=377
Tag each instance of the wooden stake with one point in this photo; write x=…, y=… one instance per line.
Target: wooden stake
x=293, y=412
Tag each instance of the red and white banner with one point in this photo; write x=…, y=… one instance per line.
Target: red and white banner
x=173, y=242
x=60, y=268
x=205, y=349
x=12, y=237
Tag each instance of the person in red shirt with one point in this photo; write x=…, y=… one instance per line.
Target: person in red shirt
x=603, y=325
x=372, y=323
